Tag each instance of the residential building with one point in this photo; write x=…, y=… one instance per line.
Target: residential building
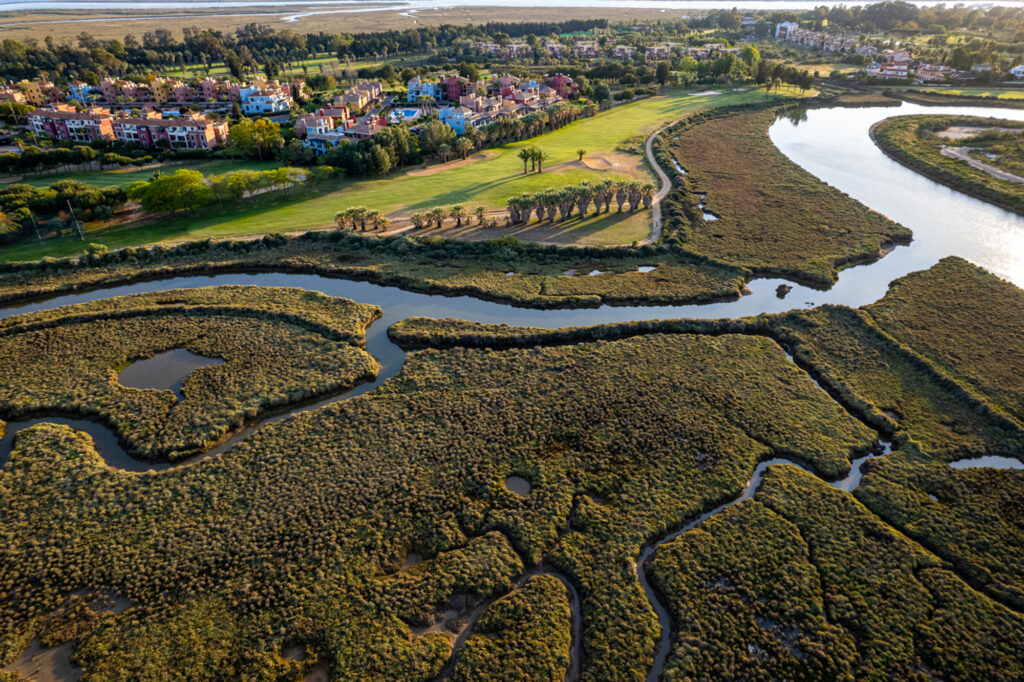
x=255, y=101
x=39, y=93
x=324, y=120
x=81, y=92
x=1017, y=71
x=889, y=69
x=748, y=24
x=313, y=124
x=563, y=86
x=783, y=28
x=661, y=50
x=503, y=85
x=624, y=51
x=13, y=95
x=458, y=118
x=826, y=42
x=519, y=49
x=323, y=142
x=420, y=89
x=587, y=49
x=193, y=131
x=64, y=122
x=929, y=73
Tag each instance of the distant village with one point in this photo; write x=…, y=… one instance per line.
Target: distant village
x=171, y=113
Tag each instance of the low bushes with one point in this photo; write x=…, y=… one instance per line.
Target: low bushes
x=67, y=360
x=527, y=632
x=300, y=533
x=430, y=264
x=912, y=141
x=772, y=216
x=804, y=582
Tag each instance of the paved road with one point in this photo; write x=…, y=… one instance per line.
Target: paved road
x=666, y=185
x=961, y=154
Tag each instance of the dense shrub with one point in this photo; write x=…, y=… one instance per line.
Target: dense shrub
x=279, y=346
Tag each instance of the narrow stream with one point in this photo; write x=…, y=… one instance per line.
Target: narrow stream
x=938, y=216
x=847, y=483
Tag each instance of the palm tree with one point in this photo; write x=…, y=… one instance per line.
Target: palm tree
x=418, y=220
x=525, y=154
x=458, y=213
x=480, y=212
x=341, y=217
x=463, y=147
x=373, y=216
x=444, y=151
x=608, y=186
x=437, y=215
x=549, y=199
x=620, y=194
x=583, y=196
x=648, y=192
x=514, y=204
x=541, y=157
x=580, y=153
x=381, y=222
x=634, y=195
x=359, y=215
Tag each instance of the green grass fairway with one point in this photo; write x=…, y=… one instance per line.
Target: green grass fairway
x=1001, y=93
x=122, y=177
x=489, y=182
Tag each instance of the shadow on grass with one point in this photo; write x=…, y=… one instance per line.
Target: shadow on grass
x=571, y=231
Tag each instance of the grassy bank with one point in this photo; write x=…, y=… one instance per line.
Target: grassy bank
x=431, y=265
x=278, y=346
x=975, y=98
x=912, y=141
x=765, y=212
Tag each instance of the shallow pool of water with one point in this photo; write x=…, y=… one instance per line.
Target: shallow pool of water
x=166, y=371
x=518, y=485
x=988, y=462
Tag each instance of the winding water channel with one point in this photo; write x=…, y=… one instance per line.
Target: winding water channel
x=944, y=222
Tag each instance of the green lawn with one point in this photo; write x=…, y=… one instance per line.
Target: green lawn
x=489, y=182
x=122, y=177
x=1001, y=93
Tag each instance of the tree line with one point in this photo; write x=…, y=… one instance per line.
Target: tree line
x=562, y=202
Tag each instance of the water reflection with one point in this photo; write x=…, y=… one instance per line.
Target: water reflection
x=166, y=371
x=835, y=145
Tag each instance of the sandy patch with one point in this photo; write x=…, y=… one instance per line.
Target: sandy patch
x=10, y=179
x=617, y=163
x=597, y=163
x=705, y=93
x=441, y=167
x=37, y=663
x=961, y=132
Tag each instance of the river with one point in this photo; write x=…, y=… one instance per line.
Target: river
x=944, y=222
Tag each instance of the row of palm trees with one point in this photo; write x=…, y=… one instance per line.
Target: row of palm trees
x=562, y=202
x=361, y=218
x=533, y=155
x=436, y=216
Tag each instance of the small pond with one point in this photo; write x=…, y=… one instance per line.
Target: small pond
x=518, y=485
x=989, y=462
x=165, y=371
